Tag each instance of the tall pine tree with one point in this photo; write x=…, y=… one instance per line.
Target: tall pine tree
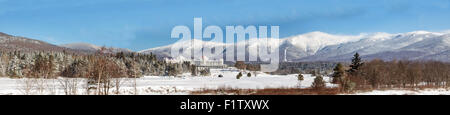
x=356, y=63
x=339, y=73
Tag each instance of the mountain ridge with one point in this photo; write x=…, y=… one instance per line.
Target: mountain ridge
x=18, y=43
x=320, y=46
x=313, y=46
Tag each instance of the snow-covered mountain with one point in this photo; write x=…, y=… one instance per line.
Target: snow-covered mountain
x=82, y=46
x=419, y=45
x=319, y=46
x=92, y=48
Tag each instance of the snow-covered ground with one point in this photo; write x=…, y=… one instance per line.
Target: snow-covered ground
x=162, y=85
x=440, y=91
x=171, y=85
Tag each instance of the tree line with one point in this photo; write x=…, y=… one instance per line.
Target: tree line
x=377, y=74
x=62, y=64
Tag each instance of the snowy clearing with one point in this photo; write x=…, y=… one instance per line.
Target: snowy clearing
x=439, y=91
x=161, y=85
x=164, y=85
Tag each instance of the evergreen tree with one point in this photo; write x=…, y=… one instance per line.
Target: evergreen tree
x=356, y=63
x=339, y=73
x=14, y=69
x=194, y=70
x=2, y=65
x=171, y=70
x=52, y=66
x=318, y=83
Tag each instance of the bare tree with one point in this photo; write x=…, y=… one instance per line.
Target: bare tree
x=51, y=86
x=40, y=85
x=69, y=85
x=118, y=82
x=26, y=86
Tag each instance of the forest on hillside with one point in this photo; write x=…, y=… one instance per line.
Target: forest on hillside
x=18, y=64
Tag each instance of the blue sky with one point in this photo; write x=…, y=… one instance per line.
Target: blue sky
x=142, y=24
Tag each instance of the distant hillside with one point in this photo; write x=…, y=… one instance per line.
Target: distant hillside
x=17, y=43
x=23, y=44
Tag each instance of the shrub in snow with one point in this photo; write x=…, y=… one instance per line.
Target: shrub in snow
x=249, y=75
x=205, y=72
x=300, y=77
x=238, y=76
x=318, y=83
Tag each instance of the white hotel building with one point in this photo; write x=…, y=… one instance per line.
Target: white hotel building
x=203, y=63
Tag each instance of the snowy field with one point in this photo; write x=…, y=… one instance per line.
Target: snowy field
x=161, y=85
x=440, y=91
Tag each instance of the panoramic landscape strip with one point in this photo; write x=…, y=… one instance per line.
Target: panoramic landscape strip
x=172, y=47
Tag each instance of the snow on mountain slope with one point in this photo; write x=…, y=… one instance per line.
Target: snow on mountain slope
x=165, y=51
x=319, y=46
x=92, y=48
x=307, y=43
x=412, y=46
x=82, y=46
x=312, y=42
